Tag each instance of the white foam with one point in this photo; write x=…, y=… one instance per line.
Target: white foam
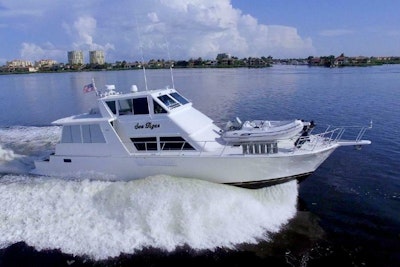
x=6, y=155
x=10, y=162
x=20, y=146
x=104, y=219
x=29, y=140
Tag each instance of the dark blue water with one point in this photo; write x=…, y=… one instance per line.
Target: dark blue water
x=348, y=211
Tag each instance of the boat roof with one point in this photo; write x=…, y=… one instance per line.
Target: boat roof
x=85, y=118
x=112, y=95
x=95, y=116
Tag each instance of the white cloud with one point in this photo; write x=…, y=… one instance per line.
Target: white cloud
x=153, y=17
x=207, y=27
x=191, y=28
x=85, y=27
x=34, y=52
x=84, y=31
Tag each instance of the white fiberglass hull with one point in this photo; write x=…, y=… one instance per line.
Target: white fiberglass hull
x=235, y=169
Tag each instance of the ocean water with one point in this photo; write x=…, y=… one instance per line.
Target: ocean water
x=347, y=213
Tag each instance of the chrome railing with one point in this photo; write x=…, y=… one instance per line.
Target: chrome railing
x=332, y=134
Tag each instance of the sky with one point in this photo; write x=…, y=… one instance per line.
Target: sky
x=137, y=30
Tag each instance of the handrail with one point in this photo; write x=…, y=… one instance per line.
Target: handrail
x=330, y=135
x=335, y=134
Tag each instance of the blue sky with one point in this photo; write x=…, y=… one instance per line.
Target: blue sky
x=182, y=29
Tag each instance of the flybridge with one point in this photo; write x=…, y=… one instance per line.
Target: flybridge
x=160, y=101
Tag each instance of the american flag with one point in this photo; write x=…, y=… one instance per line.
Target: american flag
x=88, y=88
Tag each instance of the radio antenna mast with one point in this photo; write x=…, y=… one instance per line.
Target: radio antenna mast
x=141, y=53
x=171, y=65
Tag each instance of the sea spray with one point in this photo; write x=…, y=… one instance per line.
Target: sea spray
x=104, y=219
x=6, y=155
x=30, y=140
x=21, y=145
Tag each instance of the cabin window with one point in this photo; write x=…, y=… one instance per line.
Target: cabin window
x=92, y=134
x=86, y=134
x=111, y=106
x=82, y=134
x=168, y=101
x=180, y=98
x=158, y=109
x=66, y=136
x=76, y=134
x=140, y=106
x=174, y=143
x=125, y=106
x=145, y=143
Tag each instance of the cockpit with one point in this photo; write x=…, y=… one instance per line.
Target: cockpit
x=155, y=103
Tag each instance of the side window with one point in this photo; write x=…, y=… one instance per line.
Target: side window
x=158, y=109
x=140, y=106
x=96, y=134
x=92, y=134
x=66, y=136
x=174, y=143
x=125, y=106
x=111, y=105
x=145, y=143
x=76, y=134
x=86, y=134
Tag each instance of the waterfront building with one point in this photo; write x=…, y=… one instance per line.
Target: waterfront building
x=75, y=57
x=45, y=63
x=96, y=57
x=18, y=63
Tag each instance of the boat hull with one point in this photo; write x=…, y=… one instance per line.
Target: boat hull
x=251, y=171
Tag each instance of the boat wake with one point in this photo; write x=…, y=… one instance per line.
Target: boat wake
x=101, y=220
x=20, y=146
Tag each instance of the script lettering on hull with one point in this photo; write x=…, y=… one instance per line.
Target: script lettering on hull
x=147, y=125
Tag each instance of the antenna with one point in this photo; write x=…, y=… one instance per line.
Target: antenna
x=141, y=53
x=170, y=67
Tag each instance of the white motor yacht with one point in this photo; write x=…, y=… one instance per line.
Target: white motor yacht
x=143, y=133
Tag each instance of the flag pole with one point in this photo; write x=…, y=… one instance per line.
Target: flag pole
x=95, y=88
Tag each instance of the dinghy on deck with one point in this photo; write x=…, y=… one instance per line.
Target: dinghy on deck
x=237, y=132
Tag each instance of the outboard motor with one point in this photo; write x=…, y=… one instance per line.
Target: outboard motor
x=303, y=137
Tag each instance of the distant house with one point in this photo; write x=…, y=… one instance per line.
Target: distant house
x=341, y=60
x=315, y=61
x=224, y=59
x=360, y=60
x=45, y=64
